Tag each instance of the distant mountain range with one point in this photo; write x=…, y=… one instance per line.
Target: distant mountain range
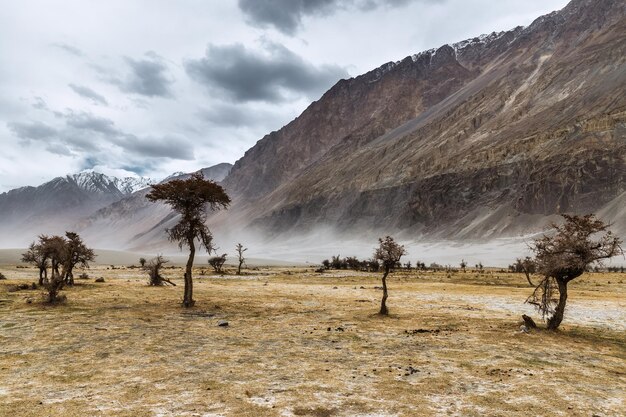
x=66, y=203
x=485, y=138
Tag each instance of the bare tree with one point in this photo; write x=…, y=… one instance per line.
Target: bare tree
x=75, y=252
x=527, y=266
x=153, y=269
x=190, y=198
x=54, y=248
x=37, y=256
x=388, y=253
x=240, y=250
x=565, y=255
x=217, y=262
x=65, y=252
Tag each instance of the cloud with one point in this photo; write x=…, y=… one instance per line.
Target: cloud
x=39, y=103
x=286, y=15
x=238, y=115
x=274, y=74
x=31, y=130
x=170, y=147
x=89, y=94
x=149, y=77
x=72, y=50
x=86, y=134
x=87, y=121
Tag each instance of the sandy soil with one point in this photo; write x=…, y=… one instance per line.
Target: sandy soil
x=303, y=344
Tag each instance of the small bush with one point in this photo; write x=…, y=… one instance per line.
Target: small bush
x=83, y=276
x=2, y=276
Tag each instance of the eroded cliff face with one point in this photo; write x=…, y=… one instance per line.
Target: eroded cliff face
x=487, y=137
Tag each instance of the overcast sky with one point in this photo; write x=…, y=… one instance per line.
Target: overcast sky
x=150, y=87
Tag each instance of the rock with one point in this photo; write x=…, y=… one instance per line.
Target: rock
x=222, y=323
x=100, y=279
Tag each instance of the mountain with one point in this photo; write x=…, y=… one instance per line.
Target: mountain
x=489, y=137
x=49, y=208
x=133, y=222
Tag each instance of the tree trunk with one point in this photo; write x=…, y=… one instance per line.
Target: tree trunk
x=528, y=279
x=69, y=279
x=42, y=276
x=383, y=304
x=555, y=321
x=55, y=285
x=239, y=268
x=188, y=297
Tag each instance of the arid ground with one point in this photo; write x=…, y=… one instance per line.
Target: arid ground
x=300, y=343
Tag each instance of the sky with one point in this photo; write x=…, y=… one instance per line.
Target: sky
x=152, y=87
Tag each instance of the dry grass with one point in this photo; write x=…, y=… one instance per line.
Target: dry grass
x=301, y=344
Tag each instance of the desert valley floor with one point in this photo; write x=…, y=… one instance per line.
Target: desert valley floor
x=301, y=343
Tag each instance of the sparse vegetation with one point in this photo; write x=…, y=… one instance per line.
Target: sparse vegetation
x=217, y=263
x=153, y=269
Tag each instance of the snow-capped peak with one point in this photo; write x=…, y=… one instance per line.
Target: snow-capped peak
x=98, y=182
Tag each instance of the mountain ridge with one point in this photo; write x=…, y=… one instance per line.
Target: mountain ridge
x=540, y=85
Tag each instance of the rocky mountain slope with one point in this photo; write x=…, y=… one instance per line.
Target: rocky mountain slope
x=488, y=137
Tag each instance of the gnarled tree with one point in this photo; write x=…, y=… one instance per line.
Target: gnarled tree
x=190, y=198
x=565, y=255
x=388, y=253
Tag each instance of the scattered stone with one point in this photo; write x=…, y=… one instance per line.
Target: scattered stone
x=222, y=323
x=410, y=371
x=529, y=323
x=100, y=279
